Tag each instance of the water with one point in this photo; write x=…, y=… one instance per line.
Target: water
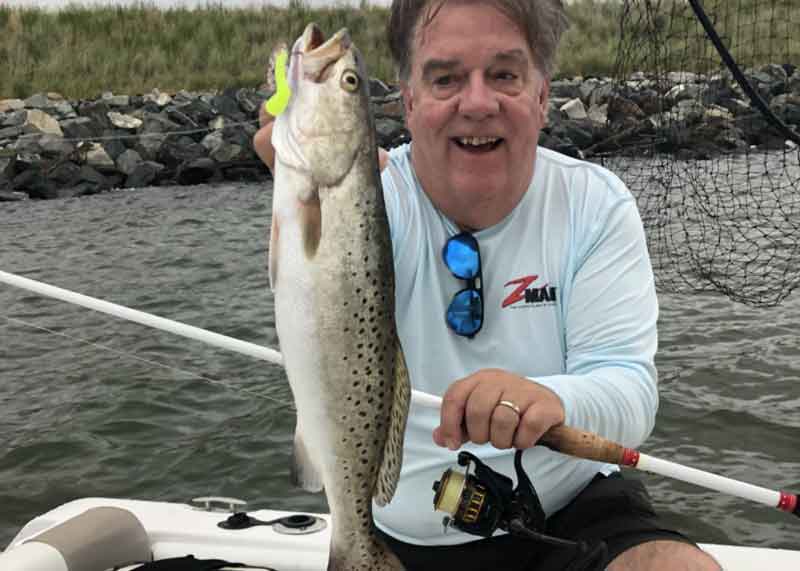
x=81, y=420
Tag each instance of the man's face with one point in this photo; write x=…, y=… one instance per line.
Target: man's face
x=475, y=104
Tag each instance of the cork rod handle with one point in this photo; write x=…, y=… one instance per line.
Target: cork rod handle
x=582, y=444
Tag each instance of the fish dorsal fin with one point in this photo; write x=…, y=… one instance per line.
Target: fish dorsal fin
x=389, y=471
x=305, y=471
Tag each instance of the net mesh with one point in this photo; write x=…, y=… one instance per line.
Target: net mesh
x=716, y=177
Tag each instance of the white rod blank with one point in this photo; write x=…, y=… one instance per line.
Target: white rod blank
x=708, y=480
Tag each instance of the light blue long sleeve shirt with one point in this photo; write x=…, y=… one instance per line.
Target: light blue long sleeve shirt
x=569, y=302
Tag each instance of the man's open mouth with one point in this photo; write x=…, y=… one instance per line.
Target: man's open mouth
x=478, y=144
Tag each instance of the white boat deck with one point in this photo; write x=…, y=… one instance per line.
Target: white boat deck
x=176, y=530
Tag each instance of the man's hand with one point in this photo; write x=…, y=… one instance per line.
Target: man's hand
x=471, y=411
x=262, y=140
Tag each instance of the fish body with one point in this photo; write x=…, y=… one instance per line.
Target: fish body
x=332, y=275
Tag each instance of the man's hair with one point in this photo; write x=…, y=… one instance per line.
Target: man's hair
x=541, y=21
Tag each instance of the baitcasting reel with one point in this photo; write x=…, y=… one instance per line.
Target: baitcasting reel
x=484, y=501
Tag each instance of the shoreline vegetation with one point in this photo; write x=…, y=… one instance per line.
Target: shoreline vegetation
x=83, y=51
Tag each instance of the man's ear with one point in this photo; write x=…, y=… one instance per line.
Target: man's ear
x=408, y=103
x=544, y=95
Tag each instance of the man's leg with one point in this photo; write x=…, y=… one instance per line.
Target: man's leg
x=664, y=555
x=617, y=510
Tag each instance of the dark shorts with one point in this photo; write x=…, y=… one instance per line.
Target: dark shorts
x=614, y=509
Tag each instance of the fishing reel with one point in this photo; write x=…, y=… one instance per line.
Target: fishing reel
x=481, y=502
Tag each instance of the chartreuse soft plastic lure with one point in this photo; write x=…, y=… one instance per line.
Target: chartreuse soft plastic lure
x=276, y=104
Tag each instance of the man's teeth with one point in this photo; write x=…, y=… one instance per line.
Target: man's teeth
x=477, y=141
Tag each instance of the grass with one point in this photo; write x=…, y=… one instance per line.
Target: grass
x=81, y=52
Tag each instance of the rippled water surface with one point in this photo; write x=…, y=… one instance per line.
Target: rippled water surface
x=94, y=406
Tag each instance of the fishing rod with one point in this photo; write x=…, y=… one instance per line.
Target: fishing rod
x=566, y=440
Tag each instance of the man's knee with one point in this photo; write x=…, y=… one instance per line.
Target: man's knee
x=664, y=555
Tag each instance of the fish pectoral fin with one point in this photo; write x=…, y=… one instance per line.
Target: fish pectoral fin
x=305, y=472
x=311, y=216
x=389, y=472
x=274, y=232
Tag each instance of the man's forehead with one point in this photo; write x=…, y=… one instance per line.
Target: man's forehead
x=435, y=61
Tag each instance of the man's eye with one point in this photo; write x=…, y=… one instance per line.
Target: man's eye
x=506, y=76
x=443, y=80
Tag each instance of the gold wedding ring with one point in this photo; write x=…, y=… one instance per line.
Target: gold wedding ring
x=510, y=405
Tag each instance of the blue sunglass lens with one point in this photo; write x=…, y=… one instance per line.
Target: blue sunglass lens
x=465, y=314
x=461, y=256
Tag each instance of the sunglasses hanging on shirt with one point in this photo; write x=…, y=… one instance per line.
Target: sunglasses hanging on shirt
x=463, y=258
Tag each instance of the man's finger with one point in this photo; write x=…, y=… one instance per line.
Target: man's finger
x=533, y=424
x=479, y=410
x=504, y=424
x=453, y=410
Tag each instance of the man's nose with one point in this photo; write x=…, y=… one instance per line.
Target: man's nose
x=478, y=99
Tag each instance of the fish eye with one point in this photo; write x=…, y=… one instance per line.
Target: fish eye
x=350, y=81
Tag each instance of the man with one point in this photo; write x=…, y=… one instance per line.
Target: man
x=551, y=320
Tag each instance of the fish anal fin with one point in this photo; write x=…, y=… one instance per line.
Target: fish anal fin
x=305, y=472
x=389, y=472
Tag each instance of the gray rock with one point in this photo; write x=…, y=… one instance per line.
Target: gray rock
x=179, y=150
x=217, y=123
x=122, y=121
x=249, y=101
x=565, y=89
x=115, y=100
x=588, y=86
x=149, y=145
x=197, y=171
x=11, y=196
x=78, y=128
x=128, y=161
x=158, y=98
x=226, y=104
x=602, y=93
x=13, y=118
x=377, y=88
x=37, y=101
x=574, y=109
x=158, y=123
x=50, y=146
x=34, y=182
x=598, y=114
x=198, y=110
x=145, y=174
x=227, y=152
x=787, y=107
x=11, y=105
x=65, y=174
x=213, y=141
x=98, y=158
x=11, y=132
x=97, y=111
x=40, y=121
x=63, y=110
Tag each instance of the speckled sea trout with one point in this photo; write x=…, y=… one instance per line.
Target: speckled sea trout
x=332, y=275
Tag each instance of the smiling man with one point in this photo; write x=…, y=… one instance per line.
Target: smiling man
x=525, y=295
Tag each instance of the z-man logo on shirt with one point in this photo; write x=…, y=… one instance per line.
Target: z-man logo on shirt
x=526, y=296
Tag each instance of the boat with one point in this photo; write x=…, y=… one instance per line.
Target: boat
x=98, y=534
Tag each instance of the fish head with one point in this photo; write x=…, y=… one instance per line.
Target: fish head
x=327, y=122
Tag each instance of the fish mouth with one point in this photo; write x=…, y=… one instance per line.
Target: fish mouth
x=320, y=54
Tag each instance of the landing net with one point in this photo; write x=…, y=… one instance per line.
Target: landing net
x=708, y=140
